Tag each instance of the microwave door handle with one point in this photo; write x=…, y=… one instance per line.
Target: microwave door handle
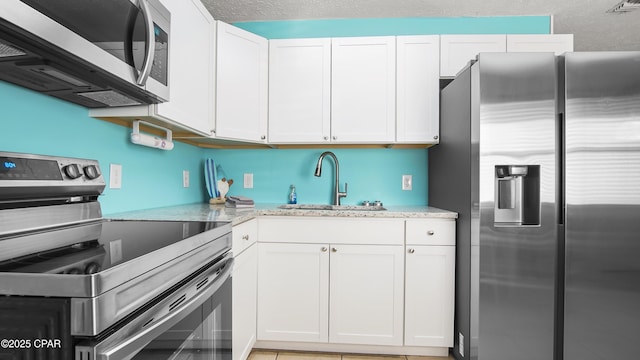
x=143, y=74
x=132, y=344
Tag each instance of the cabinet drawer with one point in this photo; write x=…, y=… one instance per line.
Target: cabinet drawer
x=244, y=235
x=431, y=232
x=323, y=230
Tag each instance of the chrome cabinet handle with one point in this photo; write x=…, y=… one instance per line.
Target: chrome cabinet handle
x=334, y=249
x=263, y=137
x=324, y=249
x=335, y=137
x=430, y=232
x=326, y=138
x=411, y=251
x=143, y=75
x=245, y=237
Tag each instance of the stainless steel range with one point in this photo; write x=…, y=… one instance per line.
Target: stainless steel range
x=76, y=285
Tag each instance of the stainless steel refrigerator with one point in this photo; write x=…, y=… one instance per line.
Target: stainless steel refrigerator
x=540, y=156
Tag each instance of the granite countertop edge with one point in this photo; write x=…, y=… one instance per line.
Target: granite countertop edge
x=206, y=212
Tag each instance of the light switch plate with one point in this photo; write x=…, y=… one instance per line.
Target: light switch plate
x=407, y=182
x=115, y=176
x=248, y=181
x=185, y=178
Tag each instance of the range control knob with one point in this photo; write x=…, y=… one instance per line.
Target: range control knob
x=91, y=172
x=92, y=268
x=72, y=171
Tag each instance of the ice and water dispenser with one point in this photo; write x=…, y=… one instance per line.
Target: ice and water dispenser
x=517, y=195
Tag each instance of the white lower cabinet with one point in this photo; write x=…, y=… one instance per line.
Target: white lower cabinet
x=429, y=296
x=361, y=286
x=244, y=289
x=293, y=292
x=366, y=294
x=387, y=290
x=429, y=282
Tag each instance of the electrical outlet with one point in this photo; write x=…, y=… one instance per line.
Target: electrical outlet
x=115, y=176
x=407, y=182
x=185, y=178
x=248, y=181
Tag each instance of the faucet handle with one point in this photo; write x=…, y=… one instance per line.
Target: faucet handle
x=344, y=194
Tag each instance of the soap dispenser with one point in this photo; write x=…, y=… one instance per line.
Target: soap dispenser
x=293, y=196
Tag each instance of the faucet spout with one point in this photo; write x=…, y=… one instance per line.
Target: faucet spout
x=337, y=193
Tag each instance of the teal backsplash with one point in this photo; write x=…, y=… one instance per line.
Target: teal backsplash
x=372, y=174
x=39, y=124
x=36, y=123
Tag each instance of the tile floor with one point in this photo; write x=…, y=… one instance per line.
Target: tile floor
x=296, y=355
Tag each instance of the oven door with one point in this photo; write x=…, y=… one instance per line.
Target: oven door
x=192, y=322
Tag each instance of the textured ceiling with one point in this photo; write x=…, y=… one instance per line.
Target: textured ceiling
x=592, y=26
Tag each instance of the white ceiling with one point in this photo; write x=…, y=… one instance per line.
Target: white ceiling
x=593, y=28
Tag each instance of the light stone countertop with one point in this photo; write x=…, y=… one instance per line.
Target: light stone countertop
x=206, y=212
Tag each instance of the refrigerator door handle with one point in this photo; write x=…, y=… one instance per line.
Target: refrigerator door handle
x=560, y=169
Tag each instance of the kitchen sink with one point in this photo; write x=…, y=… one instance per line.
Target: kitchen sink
x=332, y=207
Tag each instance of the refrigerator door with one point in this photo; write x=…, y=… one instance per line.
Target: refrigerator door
x=515, y=109
x=602, y=174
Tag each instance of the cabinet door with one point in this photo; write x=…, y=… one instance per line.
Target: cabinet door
x=429, y=296
x=242, y=84
x=418, y=89
x=299, y=90
x=366, y=301
x=556, y=43
x=457, y=50
x=192, y=75
x=363, y=90
x=293, y=284
x=244, y=290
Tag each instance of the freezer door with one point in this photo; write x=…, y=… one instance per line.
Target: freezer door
x=602, y=297
x=517, y=147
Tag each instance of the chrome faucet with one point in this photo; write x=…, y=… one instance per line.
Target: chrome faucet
x=337, y=194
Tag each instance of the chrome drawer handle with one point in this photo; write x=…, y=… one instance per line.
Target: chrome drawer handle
x=324, y=249
x=334, y=249
x=430, y=232
x=411, y=251
x=245, y=237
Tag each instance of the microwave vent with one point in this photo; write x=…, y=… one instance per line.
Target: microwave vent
x=110, y=98
x=625, y=6
x=10, y=51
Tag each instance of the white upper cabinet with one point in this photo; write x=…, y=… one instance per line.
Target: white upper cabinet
x=557, y=43
x=191, y=73
x=457, y=50
x=299, y=90
x=418, y=89
x=363, y=90
x=242, y=85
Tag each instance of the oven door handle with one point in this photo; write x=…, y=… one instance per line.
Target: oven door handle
x=122, y=345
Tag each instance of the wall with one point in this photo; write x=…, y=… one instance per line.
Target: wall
x=372, y=174
x=40, y=124
x=288, y=29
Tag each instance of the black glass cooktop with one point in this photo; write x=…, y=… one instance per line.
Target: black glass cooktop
x=94, y=247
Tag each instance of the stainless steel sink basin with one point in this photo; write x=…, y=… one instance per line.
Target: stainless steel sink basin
x=331, y=207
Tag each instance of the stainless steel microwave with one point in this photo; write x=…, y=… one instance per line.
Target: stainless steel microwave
x=96, y=53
